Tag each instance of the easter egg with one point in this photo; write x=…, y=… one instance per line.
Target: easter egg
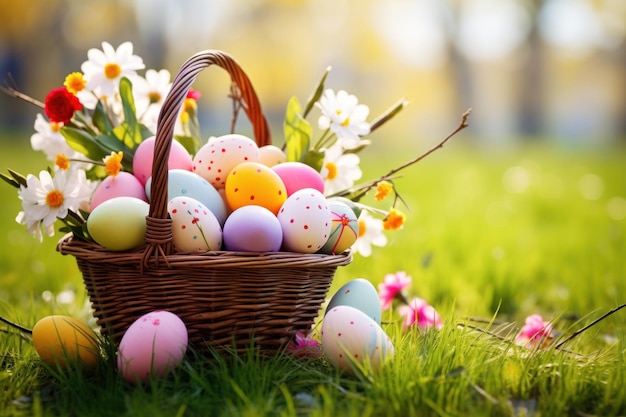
x=344, y=231
x=296, y=176
x=194, y=226
x=152, y=346
x=119, y=224
x=124, y=184
x=188, y=184
x=271, y=155
x=306, y=221
x=360, y=294
x=215, y=159
x=62, y=340
x=252, y=183
x=178, y=158
x=351, y=339
x=252, y=229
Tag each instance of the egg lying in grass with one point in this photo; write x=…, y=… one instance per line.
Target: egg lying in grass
x=152, y=346
x=352, y=340
x=62, y=340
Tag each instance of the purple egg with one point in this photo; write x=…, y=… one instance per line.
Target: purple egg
x=252, y=229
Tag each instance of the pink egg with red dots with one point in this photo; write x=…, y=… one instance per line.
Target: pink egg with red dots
x=215, y=159
x=252, y=183
x=124, y=184
x=296, y=176
x=306, y=220
x=178, y=158
x=152, y=346
x=350, y=339
x=194, y=227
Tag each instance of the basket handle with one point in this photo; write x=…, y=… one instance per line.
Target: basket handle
x=159, y=230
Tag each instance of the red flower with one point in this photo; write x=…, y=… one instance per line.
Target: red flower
x=193, y=94
x=60, y=105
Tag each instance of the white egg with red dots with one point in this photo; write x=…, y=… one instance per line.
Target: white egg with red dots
x=306, y=221
x=351, y=339
x=194, y=226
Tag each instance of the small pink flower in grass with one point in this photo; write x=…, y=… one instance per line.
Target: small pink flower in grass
x=392, y=287
x=419, y=312
x=304, y=346
x=535, y=332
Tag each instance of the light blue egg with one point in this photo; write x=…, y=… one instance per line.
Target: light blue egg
x=183, y=183
x=360, y=294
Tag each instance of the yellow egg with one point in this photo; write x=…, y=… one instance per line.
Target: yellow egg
x=62, y=340
x=252, y=183
x=119, y=224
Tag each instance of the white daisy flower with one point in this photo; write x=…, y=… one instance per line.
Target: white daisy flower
x=340, y=170
x=105, y=67
x=46, y=198
x=370, y=233
x=49, y=140
x=149, y=94
x=343, y=114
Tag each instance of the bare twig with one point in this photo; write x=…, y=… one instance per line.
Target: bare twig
x=14, y=92
x=581, y=330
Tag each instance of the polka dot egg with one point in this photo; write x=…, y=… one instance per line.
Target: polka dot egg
x=194, y=226
x=350, y=338
x=252, y=183
x=220, y=155
x=306, y=220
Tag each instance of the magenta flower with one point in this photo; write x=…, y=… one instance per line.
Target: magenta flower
x=419, y=312
x=304, y=346
x=534, y=332
x=392, y=287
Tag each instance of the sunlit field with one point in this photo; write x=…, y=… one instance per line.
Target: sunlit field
x=491, y=237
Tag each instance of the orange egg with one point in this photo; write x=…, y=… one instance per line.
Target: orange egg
x=62, y=340
x=252, y=183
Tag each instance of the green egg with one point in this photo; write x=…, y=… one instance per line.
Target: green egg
x=119, y=224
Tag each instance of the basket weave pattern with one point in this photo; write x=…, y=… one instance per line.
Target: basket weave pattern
x=226, y=299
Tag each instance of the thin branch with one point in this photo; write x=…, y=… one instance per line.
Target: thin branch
x=462, y=125
x=596, y=321
x=13, y=92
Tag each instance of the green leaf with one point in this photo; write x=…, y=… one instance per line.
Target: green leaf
x=314, y=159
x=317, y=93
x=100, y=118
x=83, y=143
x=190, y=143
x=112, y=143
x=298, y=131
x=129, y=131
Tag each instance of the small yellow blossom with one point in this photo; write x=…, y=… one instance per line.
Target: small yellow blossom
x=188, y=105
x=113, y=163
x=394, y=220
x=382, y=190
x=75, y=82
x=62, y=161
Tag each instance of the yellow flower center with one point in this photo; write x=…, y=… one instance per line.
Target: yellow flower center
x=154, y=97
x=362, y=228
x=332, y=170
x=55, y=127
x=75, y=82
x=62, y=161
x=112, y=70
x=345, y=122
x=113, y=163
x=54, y=199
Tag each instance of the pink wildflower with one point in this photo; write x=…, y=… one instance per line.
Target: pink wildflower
x=304, y=346
x=391, y=287
x=419, y=312
x=534, y=332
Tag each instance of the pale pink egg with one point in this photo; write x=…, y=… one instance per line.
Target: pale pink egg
x=152, y=346
x=178, y=158
x=123, y=184
x=252, y=229
x=296, y=176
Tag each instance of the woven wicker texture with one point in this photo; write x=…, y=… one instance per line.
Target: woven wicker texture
x=226, y=299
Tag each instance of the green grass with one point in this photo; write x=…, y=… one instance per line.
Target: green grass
x=490, y=235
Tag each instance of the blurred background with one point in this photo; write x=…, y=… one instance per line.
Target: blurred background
x=532, y=70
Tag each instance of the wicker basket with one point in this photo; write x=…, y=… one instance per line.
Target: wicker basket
x=226, y=299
